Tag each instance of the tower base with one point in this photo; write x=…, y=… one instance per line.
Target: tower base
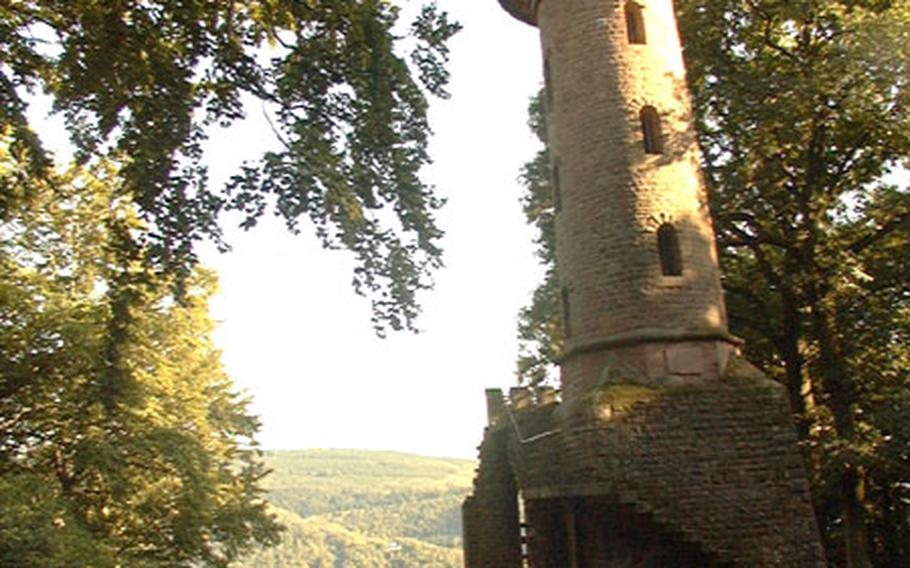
x=652, y=360
x=704, y=474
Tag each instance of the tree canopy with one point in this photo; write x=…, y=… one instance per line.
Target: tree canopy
x=120, y=443
x=143, y=85
x=802, y=113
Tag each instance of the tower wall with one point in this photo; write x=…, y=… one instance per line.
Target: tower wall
x=613, y=196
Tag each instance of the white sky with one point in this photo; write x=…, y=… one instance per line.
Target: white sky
x=299, y=341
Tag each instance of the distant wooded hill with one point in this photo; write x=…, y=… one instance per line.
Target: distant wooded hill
x=358, y=509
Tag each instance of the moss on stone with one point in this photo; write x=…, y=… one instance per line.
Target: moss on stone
x=606, y=401
x=742, y=371
x=621, y=397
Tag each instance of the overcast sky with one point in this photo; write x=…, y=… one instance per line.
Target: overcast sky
x=300, y=342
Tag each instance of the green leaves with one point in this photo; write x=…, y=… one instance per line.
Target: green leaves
x=139, y=83
x=433, y=29
x=540, y=324
x=120, y=434
x=354, y=133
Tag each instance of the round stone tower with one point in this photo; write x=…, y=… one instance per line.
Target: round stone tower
x=640, y=284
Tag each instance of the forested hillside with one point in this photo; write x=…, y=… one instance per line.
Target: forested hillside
x=357, y=509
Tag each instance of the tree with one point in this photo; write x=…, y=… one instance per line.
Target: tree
x=801, y=109
x=802, y=114
x=540, y=324
x=121, y=439
x=143, y=84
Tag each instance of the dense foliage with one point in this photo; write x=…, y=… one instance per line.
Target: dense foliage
x=145, y=83
x=365, y=509
x=802, y=111
x=122, y=442
x=803, y=114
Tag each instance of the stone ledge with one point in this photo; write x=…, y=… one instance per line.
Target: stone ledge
x=648, y=335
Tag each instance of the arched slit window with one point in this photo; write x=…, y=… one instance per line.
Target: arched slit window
x=635, y=23
x=651, y=131
x=669, y=251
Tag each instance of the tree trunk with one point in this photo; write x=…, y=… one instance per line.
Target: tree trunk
x=793, y=364
x=853, y=489
x=838, y=387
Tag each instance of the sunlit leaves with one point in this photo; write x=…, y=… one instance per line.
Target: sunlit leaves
x=121, y=437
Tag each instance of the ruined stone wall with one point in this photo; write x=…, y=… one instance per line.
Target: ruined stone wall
x=490, y=516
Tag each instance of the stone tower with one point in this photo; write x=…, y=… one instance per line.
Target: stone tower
x=667, y=450
x=638, y=267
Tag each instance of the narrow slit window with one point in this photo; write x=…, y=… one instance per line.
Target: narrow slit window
x=651, y=130
x=548, y=82
x=635, y=23
x=557, y=192
x=669, y=251
x=566, y=319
